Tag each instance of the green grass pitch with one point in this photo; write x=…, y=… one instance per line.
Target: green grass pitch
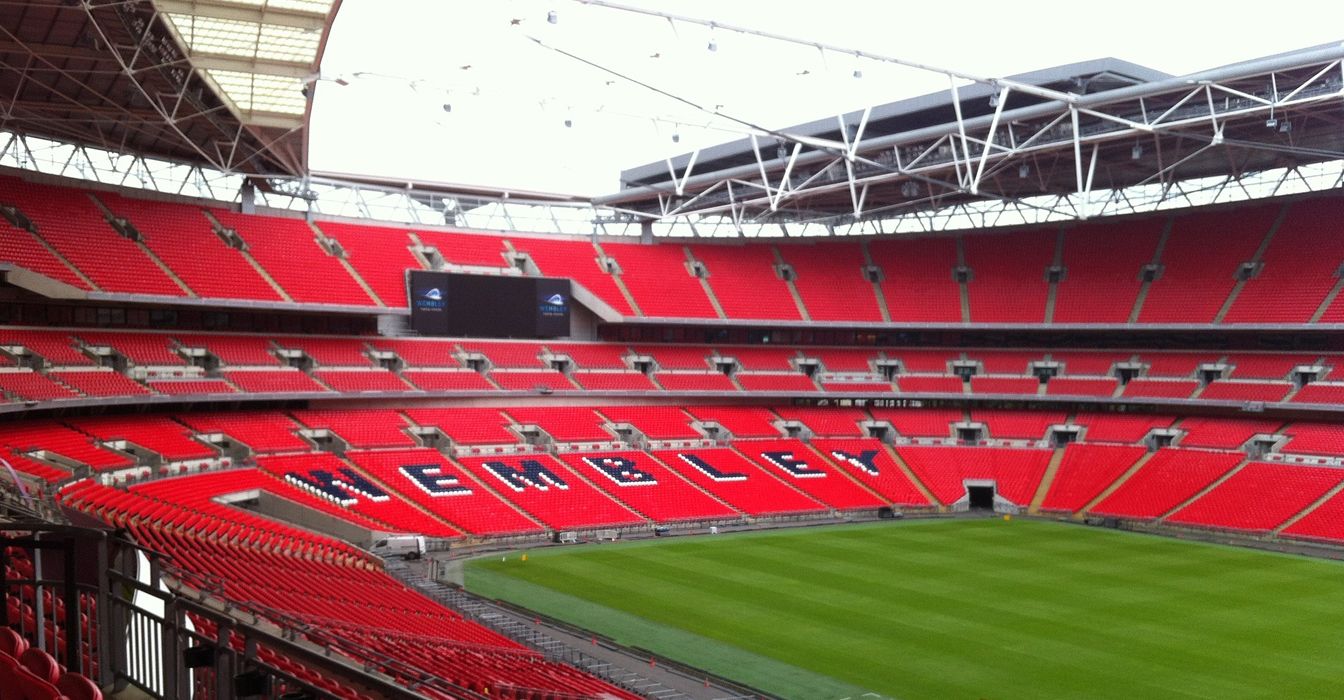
x=955, y=609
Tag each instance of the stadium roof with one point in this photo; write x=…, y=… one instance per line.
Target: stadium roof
x=1096, y=127
x=224, y=84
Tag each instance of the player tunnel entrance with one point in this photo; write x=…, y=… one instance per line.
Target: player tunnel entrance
x=980, y=498
x=982, y=495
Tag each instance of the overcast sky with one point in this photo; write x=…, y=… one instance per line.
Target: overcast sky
x=454, y=91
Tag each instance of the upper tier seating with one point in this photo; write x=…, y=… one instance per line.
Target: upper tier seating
x=73, y=226
x=182, y=237
x=467, y=249
x=1008, y=282
x=289, y=252
x=1299, y=268
x=25, y=250
x=833, y=286
x=576, y=260
x=917, y=279
x=381, y=256
x=1200, y=263
x=746, y=283
x=1102, y=262
x=658, y=278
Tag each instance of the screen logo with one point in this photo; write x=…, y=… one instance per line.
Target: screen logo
x=553, y=305
x=430, y=300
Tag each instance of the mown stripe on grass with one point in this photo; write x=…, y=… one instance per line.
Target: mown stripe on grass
x=983, y=608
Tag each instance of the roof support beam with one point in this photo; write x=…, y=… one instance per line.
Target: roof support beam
x=243, y=13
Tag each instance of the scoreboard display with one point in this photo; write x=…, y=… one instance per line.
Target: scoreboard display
x=489, y=306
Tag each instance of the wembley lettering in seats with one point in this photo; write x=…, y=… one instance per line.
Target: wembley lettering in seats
x=432, y=480
x=865, y=461
x=791, y=464
x=529, y=473
x=344, y=488
x=708, y=469
x=621, y=470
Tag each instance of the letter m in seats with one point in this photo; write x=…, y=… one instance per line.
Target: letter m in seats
x=529, y=473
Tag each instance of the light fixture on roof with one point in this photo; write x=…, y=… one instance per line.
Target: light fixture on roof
x=676, y=138
x=858, y=73
x=447, y=107
x=713, y=44
x=910, y=189
x=552, y=17
x=994, y=99
x=1285, y=127
x=1023, y=171
x=1136, y=152
x=569, y=123
x=1271, y=122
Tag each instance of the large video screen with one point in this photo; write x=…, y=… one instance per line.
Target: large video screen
x=490, y=306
